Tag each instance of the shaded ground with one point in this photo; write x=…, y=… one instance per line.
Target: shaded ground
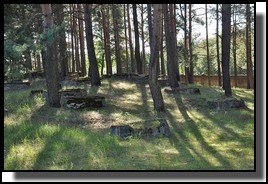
x=40, y=137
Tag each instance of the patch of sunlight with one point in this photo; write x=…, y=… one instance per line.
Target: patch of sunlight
x=170, y=151
x=98, y=160
x=23, y=156
x=15, y=119
x=74, y=135
x=39, y=100
x=199, y=117
x=123, y=85
x=48, y=130
x=133, y=97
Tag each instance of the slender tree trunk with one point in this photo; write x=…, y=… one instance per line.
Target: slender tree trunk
x=217, y=44
x=208, y=58
x=250, y=78
x=51, y=65
x=150, y=25
x=172, y=8
x=106, y=29
x=62, y=42
x=72, y=36
x=163, y=70
x=186, y=67
x=234, y=46
x=130, y=41
x=155, y=42
x=117, y=40
x=125, y=27
x=142, y=41
x=82, y=42
x=38, y=68
x=173, y=81
x=137, y=42
x=191, y=73
x=93, y=67
x=29, y=60
x=226, y=37
x=77, y=60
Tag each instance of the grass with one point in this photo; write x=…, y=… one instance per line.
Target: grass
x=38, y=137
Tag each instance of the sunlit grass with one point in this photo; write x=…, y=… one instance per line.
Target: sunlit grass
x=39, y=137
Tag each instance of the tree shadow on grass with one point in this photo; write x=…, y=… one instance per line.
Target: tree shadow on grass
x=194, y=130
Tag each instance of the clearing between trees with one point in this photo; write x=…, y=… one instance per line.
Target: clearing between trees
x=39, y=137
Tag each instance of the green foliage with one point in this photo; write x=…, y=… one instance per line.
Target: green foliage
x=17, y=74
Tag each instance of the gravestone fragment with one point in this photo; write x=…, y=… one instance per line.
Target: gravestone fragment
x=126, y=130
x=227, y=103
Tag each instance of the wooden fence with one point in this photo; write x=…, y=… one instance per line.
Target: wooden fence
x=203, y=79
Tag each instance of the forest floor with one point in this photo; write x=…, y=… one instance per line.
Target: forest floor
x=38, y=137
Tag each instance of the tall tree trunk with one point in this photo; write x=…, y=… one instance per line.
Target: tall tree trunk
x=62, y=42
x=137, y=42
x=125, y=27
x=93, y=67
x=130, y=41
x=191, y=73
x=38, y=68
x=226, y=37
x=150, y=24
x=77, y=60
x=171, y=49
x=43, y=56
x=28, y=59
x=82, y=42
x=172, y=8
x=234, y=46
x=186, y=46
x=217, y=44
x=72, y=36
x=106, y=29
x=142, y=42
x=250, y=78
x=163, y=70
x=208, y=58
x=155, y=42
x=51, y=64
x=117, y=40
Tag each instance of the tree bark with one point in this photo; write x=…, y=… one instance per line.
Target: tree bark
x=77, y=60
x=186, y=46
x=155, y=42
x=62, y=42
x=72, y=36
x=226, y=37
x=208, y=58
x=117, y=40
x=250, y=78
x=217, y=45
x=137, y=42
x=191, y=73
x=142, y=42
x=125, y=27
x=93, y=67
x=234, y=46
x=172, y=9
x=171, y=49
x=163, y=70
x=106, y=29
x=51, y=65
x=82, y=42
x=130, y=41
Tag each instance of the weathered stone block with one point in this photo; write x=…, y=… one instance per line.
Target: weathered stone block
x=122, y=131
x=228, y=103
